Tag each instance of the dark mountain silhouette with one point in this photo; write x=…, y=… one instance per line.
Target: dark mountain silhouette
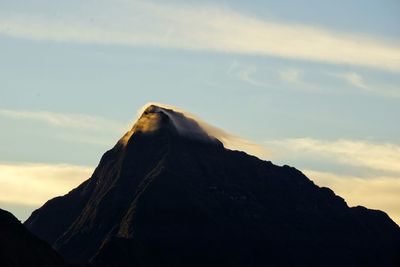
x=170, y=194
x=19, y=247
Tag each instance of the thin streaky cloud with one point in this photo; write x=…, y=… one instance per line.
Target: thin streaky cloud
x=294, y=77
x=358, y=81
x=88, y=139
x=190, y=27
x=360, y=153
x=35, y=183
x=291, y=76
x=379, y=192
x=65, y=120
x=245, y=74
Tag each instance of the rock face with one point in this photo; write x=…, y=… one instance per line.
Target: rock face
x=19, y=247
x=169, y=194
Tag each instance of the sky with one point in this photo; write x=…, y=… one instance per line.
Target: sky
x=314, y=84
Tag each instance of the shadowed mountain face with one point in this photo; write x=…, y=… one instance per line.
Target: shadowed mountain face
x=169, y=194
x=19, y=247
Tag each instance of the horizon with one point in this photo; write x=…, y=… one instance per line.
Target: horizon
x=295, y=84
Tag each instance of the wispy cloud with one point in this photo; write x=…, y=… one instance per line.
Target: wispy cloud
x=295, y=77
x=33, y=184
x=376, y=193
x=358, y=81
x=65, y=120
x=360, y=153
x=71, y=127
x=245, y=74
x=229, y=140
x=290, y=75
x=360, y=171
x=355, y=79
x=140, y=23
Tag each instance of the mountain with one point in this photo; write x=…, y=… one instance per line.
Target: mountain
x=19, y=247
x=170, y=194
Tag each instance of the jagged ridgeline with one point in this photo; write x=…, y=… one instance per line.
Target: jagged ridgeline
x=170, y=194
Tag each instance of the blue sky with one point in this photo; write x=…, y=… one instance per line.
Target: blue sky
x=315, y=84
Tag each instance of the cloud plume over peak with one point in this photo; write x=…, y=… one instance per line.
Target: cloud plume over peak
x=229, y=140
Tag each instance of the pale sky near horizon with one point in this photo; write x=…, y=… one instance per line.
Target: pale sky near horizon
x=315, y=83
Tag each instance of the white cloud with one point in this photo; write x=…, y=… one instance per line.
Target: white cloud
x=245, y=74
x=376, y=182
x=65, y=120
x=229, y=140
x=377, y=193
x=295, y=77
x=290, y=75
x=376, y=156
x=139, y=23
x=34, y=184
x=358, y=81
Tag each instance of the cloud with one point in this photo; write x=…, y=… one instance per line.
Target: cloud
x=33, y=184
x=362, y=172
x=229, y=140
x=290, y=75
x=377, y=193
x=194, y=27
x=359, y=153
x=295, y=77
x=355, y=79
x=25, y=186
x=358, y=81
x=64, y=120
x=245, y=74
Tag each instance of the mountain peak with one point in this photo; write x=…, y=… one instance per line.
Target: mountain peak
x=156, y=118
x=164, y=200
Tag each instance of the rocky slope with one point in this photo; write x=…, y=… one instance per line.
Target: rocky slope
x=170, y=194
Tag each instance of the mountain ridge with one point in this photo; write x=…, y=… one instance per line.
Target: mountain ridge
x=19, y=247
x=164, y=198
